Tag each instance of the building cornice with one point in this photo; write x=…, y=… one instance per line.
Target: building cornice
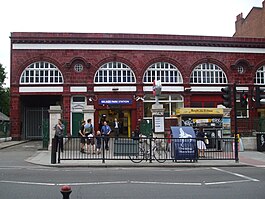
x=135, y=39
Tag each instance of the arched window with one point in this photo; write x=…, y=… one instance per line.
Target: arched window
x=41, y=73
x=114, y=72
x=260, y=74
x=208, y=73
x=163, y=71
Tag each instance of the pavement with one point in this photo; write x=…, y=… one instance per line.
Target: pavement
x=43, y=157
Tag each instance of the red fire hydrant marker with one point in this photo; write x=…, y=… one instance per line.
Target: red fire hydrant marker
x=66, y=191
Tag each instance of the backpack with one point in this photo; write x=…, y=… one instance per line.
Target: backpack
x=88, y=129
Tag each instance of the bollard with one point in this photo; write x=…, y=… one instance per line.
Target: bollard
x=53, y=152
x=66, y=191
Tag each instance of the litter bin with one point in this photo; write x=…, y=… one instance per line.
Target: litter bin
x=260, y=142
x=183, y=146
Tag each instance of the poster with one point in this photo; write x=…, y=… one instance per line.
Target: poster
x=159, y=123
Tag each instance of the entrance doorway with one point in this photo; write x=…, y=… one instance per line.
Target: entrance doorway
x=35, y=114
x=123, y=116
x=76, y=122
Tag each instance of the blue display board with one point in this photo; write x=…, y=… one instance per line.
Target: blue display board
x=183, y=145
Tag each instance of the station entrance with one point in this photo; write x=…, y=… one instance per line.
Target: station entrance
x=123, y=116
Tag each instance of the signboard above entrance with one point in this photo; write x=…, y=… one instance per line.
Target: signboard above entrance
x=115, y=101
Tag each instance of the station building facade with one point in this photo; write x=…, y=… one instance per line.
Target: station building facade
x=111, y=75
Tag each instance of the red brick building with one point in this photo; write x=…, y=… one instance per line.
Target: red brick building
x=113, y=75
x=253, y=25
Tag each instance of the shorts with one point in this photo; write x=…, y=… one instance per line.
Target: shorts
x=201, y=145
x=83, y=140
x=90, y=139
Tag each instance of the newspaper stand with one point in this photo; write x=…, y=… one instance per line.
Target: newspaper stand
x=183, y=144
x=210, y=119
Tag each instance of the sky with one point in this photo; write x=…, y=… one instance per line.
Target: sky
x=174, y=17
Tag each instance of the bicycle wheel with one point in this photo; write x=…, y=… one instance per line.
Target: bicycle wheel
x=160, y=155
x=138, y=156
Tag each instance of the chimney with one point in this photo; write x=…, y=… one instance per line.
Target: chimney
x=240, y=16
x=238, y=23
x=263, y=4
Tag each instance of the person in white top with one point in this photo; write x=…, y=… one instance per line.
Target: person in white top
x=116, y=128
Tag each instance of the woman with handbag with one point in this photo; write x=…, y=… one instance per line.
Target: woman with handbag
x=200, y=142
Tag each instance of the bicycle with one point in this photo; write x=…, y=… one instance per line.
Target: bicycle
x=159, y=152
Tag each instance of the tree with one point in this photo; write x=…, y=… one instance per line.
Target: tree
x=2, y=76
x=4, y=92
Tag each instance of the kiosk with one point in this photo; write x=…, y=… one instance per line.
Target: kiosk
x=211, y=119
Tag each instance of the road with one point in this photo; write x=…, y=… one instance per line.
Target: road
x=19, y=179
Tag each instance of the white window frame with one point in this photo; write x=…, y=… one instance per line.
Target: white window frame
x=163, y=101
x=78, y=68
x=41, y=73
x=208, y=73
x=114, y=73
x=163, y=71
x=260, y=76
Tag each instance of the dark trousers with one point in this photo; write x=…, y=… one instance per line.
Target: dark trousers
x=58, y=143
x=116, y=132
x=98, y=142
x=106, y=141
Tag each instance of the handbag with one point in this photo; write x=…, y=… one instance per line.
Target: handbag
x=206, y=140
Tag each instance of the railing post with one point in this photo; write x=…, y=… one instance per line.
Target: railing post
x=59, y=149
x=150, y=149
x=53, y=151
x=103, y=149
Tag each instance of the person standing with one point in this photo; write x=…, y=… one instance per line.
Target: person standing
x=168, y=140
x=89, y=133
x=83, y=136
x=105, y=132
x=98, y=142
x=117, y=126
x=59, y=134
x=200, y=142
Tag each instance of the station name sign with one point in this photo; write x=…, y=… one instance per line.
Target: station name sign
x=115, y=101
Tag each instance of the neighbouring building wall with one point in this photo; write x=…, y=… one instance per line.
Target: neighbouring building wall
x=253, y=25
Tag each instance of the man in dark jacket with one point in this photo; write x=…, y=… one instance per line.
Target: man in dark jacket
x=59, y=134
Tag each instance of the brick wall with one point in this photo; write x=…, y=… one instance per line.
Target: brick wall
x=253, y=25
x=139, y=61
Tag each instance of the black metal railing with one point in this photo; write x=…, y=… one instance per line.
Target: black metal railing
x=148, y=149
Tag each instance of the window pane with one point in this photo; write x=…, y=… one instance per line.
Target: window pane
x=117, y=72
x=164, y=72
x=147, y=109
x=208, y=74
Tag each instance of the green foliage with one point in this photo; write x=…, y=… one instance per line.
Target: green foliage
x=5, y=101
x=4, y=92
x=2, y=76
